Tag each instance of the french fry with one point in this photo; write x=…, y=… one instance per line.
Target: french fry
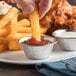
x=34, y=19
x=23, y=22
x=43, y=30
x=5, y=31
x=8, y=17
x=11, y=30
x=28, y=30
x=18, y=36
x=13, y=41
x=13, y=26
x=24, y=29
x=3, y=47
x=3, y=40
x=14, y=46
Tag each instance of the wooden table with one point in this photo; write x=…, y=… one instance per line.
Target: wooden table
x=18, y=70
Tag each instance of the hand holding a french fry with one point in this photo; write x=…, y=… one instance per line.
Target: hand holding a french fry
x=28, y=6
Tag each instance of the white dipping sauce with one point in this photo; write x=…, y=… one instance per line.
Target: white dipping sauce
x=67, y=34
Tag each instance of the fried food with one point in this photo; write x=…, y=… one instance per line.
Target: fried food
x=4, y=32
x=59, y=20
x=13, y=42
x=74, y=9
x=3, y=47
x=3, y=40
x=35, y=27
x=24, y=23
x=28, y=30
x=24, y=29
x=13, y=29
x=13, y=25
x=43, y=30
x=58, y=16
x=8, y=17
x=14, y=46
x=18, y=36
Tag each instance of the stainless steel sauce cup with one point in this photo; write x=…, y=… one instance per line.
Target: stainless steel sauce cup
x=38, y=52
x=65, y=43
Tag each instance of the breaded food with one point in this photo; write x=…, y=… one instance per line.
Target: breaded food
x=3, y=40
x=18, y=36
x=3, y=47
x=24, y=23
x=13, y=25
x=13, y=41
x=28, y=30
x=14, y=46
x=35, y=26
x=8, y=17
x=5, y=31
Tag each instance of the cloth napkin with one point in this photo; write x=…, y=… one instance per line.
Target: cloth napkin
x=55, y=68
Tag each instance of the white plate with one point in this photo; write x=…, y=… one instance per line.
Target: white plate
x=18, y=57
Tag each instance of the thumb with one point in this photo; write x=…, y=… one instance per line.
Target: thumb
x=44, y=7
x=28, y=6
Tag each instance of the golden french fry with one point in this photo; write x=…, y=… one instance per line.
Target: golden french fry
x=34, y=18
x=3, y=40
x=24, y=29
x=5, y=31
x=14, y=46
x=18, y=36
x=3, y=47
x=8, y=17
x=24, y=22
x=13, y=41
x=43, y=30
x=28, y=30
x=13, y=26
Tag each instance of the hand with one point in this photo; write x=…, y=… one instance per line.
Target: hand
x=28, y=6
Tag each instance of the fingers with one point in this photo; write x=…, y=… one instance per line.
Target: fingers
x=26, y=5
x=29, y=5
x=44, y=7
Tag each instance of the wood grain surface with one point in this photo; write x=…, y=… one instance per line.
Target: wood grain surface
x=18, y=70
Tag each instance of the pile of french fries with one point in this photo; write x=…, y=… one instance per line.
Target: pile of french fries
x=14, y=27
